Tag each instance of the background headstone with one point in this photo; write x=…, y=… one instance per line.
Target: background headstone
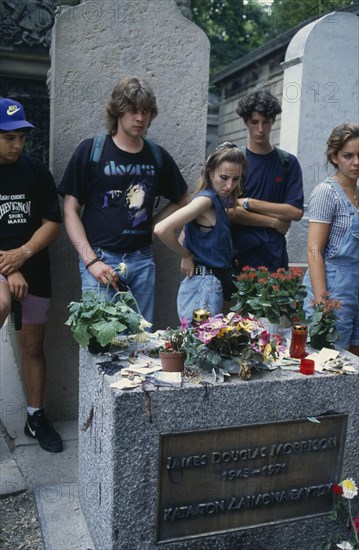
x=320, y=91
x=94, y=45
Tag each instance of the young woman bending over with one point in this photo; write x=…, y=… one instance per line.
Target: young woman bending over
x=206, y=251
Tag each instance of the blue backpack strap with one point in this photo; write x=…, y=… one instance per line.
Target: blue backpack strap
x=97, y=147
x=243, y=148
x=99, y=142
x=156, y=152
x=284, y=158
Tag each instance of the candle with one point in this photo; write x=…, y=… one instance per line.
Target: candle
x=306, y=366
x=299, y=340
x=200, y=315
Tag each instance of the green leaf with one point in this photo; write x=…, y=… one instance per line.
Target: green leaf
x=81, y=335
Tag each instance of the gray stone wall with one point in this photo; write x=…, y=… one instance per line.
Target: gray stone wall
x=321, y=81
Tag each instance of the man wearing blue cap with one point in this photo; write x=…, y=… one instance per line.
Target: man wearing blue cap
x=30, y=220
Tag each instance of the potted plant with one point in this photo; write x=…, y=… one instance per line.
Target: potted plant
x=96, y=320
x=173, y=353
x=322, y=322
x=273, y=296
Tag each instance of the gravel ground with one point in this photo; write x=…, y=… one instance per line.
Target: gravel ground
x=19, y=522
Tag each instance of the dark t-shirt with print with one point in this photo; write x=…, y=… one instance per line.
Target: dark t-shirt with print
x=119, y=193
x=27, y=196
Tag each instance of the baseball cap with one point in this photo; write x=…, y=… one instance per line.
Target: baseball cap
x=12, y=115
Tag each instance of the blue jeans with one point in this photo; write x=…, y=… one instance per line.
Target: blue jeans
x=197, y=292
x=139, y=277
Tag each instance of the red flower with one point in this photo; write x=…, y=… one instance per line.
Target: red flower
x=356, y=523
x=337, y=489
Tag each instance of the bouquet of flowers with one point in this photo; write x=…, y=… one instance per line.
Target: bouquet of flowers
x=322, y=329
x=270, y=295
x=343, y=513
x=233, y=344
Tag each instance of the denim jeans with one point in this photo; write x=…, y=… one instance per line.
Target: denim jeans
x=197, y=292
x=139, y=276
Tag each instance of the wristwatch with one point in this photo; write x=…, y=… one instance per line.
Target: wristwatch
x=246, y=204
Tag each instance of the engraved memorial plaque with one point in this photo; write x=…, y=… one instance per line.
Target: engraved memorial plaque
x=234, y=478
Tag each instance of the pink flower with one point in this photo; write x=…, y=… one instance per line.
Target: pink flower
x=184, y=324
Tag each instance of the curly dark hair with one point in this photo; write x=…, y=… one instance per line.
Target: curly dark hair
x=260, y=101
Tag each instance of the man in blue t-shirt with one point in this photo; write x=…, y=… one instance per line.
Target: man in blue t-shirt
x=108, y=207
x=273, y=190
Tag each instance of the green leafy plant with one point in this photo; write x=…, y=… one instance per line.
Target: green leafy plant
x=271, y=295
x=347, y=536
x=323, y=320
x=95, y=316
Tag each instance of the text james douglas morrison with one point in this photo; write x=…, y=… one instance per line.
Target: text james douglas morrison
x=244, y=502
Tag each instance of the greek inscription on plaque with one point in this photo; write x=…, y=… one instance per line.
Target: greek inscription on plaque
x=229, y=479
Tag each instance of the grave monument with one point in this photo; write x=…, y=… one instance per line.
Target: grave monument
x=320, y=91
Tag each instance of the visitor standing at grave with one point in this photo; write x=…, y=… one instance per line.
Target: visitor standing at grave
x=273, y=193
x=333, y=235
x=206, y=251
x=29, y=222
x=115, y=184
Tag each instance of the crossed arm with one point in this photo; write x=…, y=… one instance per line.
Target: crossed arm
x=276, y=216
x=12, y=260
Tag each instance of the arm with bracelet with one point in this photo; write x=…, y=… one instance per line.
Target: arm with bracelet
x=77, y=235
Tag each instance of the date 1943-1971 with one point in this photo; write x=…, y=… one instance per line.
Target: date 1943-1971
x=266, y=470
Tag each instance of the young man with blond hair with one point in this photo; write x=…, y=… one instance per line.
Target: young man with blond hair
x=110, y=191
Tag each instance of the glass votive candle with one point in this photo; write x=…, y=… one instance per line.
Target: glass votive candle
x=306, y=366
x=299, y=341
x=200, y=315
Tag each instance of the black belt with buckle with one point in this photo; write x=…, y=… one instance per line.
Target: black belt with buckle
x=202, y=270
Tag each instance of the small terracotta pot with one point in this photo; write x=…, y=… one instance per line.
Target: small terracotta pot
x=172, y=361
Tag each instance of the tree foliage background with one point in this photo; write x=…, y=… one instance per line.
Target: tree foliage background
x=236, y=27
